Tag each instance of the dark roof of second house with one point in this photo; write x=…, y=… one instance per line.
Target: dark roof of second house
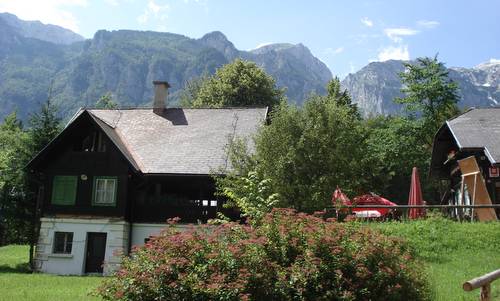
x=478, y=129
x=178, y=141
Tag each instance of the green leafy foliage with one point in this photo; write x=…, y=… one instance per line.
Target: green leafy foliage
x=191, y=90
x=106, y=102
x=303, y=154
x=341, y=97
x=250, y=193
x=429, y=92
x=17, y=147
x=240, y=83
x=14, y=209
x=44, y=126
x=394, y=148
x=291, y=256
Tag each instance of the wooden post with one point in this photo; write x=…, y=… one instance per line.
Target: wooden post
x=486, y=292
x=484, y=282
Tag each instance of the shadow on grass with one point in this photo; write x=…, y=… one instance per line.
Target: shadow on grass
x=21, y=268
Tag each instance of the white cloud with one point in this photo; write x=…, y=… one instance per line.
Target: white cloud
x=367, y=21
x=494, y=61
x=154, y=10
x=394, y=53
x=331, y=51
x=47, y=11
x=427, y=24
x=396, y=34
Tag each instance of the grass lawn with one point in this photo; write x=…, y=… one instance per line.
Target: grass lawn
x=17, y=284
x=452, y=253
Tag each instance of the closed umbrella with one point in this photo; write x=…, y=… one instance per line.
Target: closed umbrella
x=415, y=198
x=339, y=197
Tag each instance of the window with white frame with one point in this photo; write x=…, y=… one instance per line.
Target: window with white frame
x=105, y=191
x=63, y=242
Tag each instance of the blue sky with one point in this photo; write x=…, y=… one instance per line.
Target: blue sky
x=346, y=35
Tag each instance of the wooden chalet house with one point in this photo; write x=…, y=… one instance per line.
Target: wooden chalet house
x=112, y=178
x=473, y=133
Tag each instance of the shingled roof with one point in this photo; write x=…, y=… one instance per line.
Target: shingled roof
x=179, y=141
x=478, y=129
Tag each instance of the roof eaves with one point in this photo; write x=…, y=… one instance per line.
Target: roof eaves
x=490, y=157
x=76, y=115
x=453, y=134
x=120, y=144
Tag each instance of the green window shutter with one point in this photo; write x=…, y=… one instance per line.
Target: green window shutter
x=64, y=190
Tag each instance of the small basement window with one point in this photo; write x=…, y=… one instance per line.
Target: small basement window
x=105, y=191
x=63, y=242
x=64, y=190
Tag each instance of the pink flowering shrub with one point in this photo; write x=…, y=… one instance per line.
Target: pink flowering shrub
x=291, y=256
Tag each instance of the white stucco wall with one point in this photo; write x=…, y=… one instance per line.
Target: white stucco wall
x=141, y=231
x=117, y=239
x=74, y=264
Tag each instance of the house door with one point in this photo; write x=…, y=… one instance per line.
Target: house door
x=96, y=248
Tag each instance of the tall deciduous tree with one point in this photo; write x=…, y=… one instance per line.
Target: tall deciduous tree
x=190, y=91
x=394, y=147
x=240, y=83
x=308, y=151
x=301, y=157
x=14, y=220
x=430, y=93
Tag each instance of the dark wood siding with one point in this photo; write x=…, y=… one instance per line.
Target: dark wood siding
x=65, y=159
x=140, y=198
x=158, y=198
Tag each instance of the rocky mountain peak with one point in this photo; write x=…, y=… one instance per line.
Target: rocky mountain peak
x=37, y=30
x=219, y=41
x=493, y=63
x=375, y=86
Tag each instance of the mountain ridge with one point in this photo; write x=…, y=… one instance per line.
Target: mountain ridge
x=125, y=62
x=374, y=87
x=45, y=32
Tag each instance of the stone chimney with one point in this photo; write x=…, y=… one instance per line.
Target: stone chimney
x=160, y=100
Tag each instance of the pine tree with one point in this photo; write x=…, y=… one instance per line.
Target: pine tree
x=45, y=125
x=339, y=96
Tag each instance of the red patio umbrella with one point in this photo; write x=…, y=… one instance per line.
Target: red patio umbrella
x=415, y=197
x=373, y=199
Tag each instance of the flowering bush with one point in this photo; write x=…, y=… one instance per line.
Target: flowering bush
x=291, y=256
